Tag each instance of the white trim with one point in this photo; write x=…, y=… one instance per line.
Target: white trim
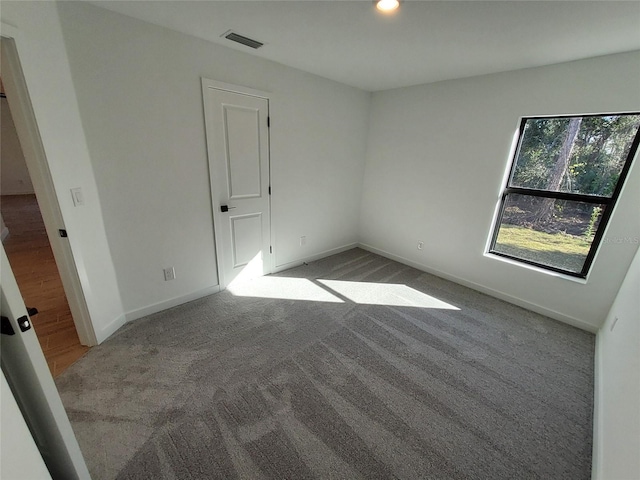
x=229, y=87
x=4, y=234
x=9, y=31
x=172, y=302
x=108, y=330
x=42, y=181
x=18, y=192
x=535, y=268
x=596, y=453
x=206, y=84
x=489, y=291
x=314, y=257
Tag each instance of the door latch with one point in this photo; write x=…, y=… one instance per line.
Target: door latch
x=24, y=323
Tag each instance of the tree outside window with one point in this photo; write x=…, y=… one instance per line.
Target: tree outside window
x=565, y=178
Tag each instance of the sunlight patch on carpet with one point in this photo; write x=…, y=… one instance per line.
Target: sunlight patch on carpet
x=337, y=291
x=389, y=294
x=283, y=288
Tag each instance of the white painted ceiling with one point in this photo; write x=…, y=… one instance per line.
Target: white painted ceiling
x=426, y=41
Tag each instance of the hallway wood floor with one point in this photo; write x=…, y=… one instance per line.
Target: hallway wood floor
x=36, y=273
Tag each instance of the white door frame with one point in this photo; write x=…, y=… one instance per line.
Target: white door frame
x=38, y=166
x=217, y=215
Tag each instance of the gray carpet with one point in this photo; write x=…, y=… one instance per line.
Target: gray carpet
x=365, y=368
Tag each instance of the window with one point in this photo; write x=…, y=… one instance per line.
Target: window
x=565, y=177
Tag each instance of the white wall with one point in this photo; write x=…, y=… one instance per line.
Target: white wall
x=38, y=38
x=14, y=176
x=436, y=159
x=138, y=87
x=617, y=405
x=436, y=155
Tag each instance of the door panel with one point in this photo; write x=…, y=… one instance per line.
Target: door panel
x=238, y=146
x=246, y=234
x=242, y=130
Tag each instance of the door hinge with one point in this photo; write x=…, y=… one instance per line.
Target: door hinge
x=268, y=122
x=269, y=189
x=270, y=249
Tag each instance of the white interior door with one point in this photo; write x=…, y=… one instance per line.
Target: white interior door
x=238, y=146
x=19, y=455
x=27, y=373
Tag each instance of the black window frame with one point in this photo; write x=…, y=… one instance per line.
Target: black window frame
x=608, y=202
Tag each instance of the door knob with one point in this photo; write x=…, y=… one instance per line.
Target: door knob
x=225, y=208
x=24, y=323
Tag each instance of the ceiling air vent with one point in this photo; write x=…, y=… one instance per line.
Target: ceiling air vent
x=249, y=42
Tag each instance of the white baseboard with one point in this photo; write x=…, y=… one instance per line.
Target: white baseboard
x=314, y=257
x=172, y=302
x=4, y=234
x=575, y=322
x=596, y=452
x=28, y=191
x=110, y=329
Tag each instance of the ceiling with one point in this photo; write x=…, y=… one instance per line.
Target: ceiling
x=425, y=41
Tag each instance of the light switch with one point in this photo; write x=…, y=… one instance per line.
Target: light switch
x=78, y=197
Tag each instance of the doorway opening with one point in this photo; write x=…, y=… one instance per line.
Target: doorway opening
x=18, y=114
x=27, y=245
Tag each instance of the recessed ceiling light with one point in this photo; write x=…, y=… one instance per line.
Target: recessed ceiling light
x=387, y=5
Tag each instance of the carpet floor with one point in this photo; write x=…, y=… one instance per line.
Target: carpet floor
x=350, y=367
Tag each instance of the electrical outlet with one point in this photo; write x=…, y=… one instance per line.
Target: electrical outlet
x=420, y=244
x=169, y=274
x=303, y=240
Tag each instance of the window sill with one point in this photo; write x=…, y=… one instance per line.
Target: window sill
x=582, y=281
